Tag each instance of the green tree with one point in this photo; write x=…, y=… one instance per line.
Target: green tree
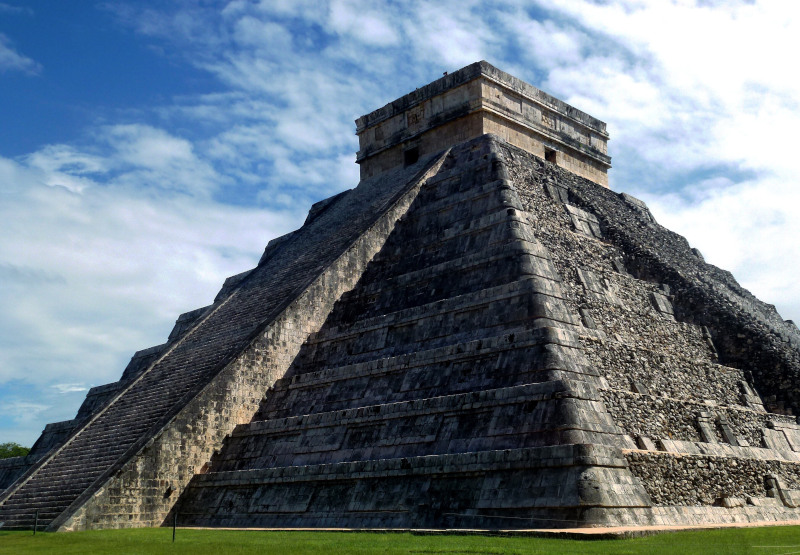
x=11, y=449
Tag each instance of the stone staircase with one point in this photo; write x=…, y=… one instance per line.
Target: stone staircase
x=60, y=483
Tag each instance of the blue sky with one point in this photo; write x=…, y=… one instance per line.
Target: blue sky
x=150, y=149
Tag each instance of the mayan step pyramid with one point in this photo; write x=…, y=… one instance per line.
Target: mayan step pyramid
x=480, y=335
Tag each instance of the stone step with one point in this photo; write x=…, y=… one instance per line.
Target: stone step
x=541, y=335
x=466, y=204
x=425, y=221
x=25, y=515
x=27, y=522
x=65, y=485
x=30, y=506
x=110, y=453
x=49, y=509
x=488, y=363
x=56, y=491
x=545, y=482
x=463, y=275
x=526, y=303
x=66, y=475
x=526, y=286
x=449, y=182
x=534, y=414
x=504, y=251
x=53, y=504
x=474, y=235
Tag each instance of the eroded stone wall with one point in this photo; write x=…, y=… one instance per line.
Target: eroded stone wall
x=699, y=480
x=672, y=381
x=664, y=418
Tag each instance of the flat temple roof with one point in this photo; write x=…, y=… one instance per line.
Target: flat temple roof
x=466, y=74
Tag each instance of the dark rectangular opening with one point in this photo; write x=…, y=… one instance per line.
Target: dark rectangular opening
x=550, y=155
x=410, y=156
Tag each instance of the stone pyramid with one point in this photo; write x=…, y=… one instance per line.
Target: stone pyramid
x=479, y=335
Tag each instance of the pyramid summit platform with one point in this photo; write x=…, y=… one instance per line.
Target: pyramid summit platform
x=478, y=336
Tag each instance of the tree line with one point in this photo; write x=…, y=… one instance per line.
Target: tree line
x=11, y=449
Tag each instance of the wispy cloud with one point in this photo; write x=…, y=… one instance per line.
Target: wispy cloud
x=11, y=60
x=63, y=388
x=22, y=411
x=84, y=266
x=8, y=8
x=363, y=21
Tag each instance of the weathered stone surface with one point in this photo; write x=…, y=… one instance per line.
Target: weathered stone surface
x=476, y=100
x=490, y=489
x=12, y=468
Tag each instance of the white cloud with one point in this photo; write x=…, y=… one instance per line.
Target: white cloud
x=312, y=10
x=64, y=166
x=147, y=147
x=11, y=60
x=63, y=388
x=723, y=88
x=363, y=22
x=547, y=43
x=22, y=412
x=8, y=8
x=262, y=35
x=449, y=35
x=750, y=228
x=83, y=270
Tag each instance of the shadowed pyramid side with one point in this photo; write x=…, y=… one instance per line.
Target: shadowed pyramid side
x=447, y=389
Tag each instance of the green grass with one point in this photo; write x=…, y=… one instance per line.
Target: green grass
x=760, y=541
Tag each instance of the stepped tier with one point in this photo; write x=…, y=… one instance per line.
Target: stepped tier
x=487, y=363
x=516, y=488
x=550, y=413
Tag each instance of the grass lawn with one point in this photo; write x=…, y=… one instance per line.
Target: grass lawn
x=760, y=541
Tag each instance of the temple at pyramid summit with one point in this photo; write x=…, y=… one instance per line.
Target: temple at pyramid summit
x=479, y=335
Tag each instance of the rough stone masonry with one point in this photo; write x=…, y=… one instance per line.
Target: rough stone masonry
x=479, y=335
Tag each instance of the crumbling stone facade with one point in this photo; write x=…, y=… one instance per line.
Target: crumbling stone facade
x=478, y=338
